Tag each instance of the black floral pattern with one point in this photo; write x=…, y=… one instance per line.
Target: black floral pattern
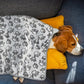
x=24, y=41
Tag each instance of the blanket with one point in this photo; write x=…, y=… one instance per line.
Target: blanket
x=24, y=42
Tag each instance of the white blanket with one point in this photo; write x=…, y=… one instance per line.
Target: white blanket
x=24, y=41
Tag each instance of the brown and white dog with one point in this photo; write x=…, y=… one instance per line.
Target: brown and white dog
x=63, y=40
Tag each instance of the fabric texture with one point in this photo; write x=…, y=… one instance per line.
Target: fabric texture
x=24, y=41
x=55, y=22
x=37, y=8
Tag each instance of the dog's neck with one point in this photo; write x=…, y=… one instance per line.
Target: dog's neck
x=52, y=43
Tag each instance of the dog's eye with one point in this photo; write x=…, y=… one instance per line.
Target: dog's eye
x=73, y=44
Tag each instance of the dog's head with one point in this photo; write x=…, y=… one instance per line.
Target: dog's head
x=65, y=40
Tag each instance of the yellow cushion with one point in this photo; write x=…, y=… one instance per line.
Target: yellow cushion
x=55, y=21
x=56, y=60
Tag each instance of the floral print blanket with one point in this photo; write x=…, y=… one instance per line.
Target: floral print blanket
x=24, y=41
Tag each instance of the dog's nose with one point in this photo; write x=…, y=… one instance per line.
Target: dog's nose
x=82, y=50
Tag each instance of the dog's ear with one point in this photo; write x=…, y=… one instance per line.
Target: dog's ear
x=65, y=27
x=61, y=44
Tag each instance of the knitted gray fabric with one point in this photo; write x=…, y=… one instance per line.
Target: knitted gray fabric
x=24, y=41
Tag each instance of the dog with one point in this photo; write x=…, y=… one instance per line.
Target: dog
x=63, y=40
